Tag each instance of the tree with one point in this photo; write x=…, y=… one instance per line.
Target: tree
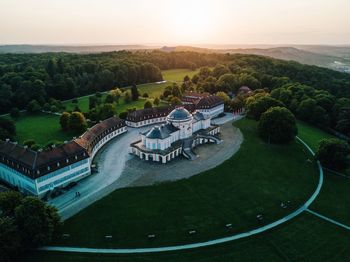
x=106, y=111
x=116, y=93
x=33, y=107
x=145, y=95
x=9, y=201
x=64, y=120
x=93, y=101
x=77, y=122
x=306, y=109
x=29, y=143
x=46, y=107
x=5, y=97
x=204, y=72
x=261, y=104
x=224, y=97
x=10, y=239
x=123, y=115
x=249, y=80
x=175, y=101
x=127, y=98
x=277, y=125
x=38, y=222
x=186, y=78
x=333, y=153
x=148, y=104
x=109, y=99
x=220, y=70
x=227, y=83
x=7, y=128
x=15, y=113
x=156, y=101
x=134, y=93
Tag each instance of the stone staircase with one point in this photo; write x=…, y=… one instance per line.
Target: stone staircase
x=187, y=149
x=211, y=137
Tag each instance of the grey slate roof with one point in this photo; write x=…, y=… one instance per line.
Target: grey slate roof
x=199, y=116
x=161, y=132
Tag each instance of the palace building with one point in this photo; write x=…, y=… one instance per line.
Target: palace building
x=38, y=172
x=204, y=103
x=181, y=132
x=208, y=104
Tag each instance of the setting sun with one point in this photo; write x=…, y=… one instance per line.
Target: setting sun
x=191, y=21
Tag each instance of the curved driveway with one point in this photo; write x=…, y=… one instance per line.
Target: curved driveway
x=200, y=244
x=111, y=163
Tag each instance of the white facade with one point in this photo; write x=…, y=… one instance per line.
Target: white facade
x=106, y=139
x=145, y=122
x=165, y=142
x=213, y=112
x=41, y=185
x=64, y=175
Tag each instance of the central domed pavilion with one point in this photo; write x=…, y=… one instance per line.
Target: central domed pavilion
x=166, y=141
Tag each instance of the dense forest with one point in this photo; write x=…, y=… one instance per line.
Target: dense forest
x=43, y=77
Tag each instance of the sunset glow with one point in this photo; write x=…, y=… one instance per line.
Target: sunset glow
x=175, y=22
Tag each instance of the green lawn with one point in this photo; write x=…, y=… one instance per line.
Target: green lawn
x=334, y=199
x=178, y=74
x=153, y=90
x=42, y=128
x=235, y=192
x=311, y=134
x=306, y=238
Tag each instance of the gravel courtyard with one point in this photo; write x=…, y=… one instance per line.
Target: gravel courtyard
x=138, y=172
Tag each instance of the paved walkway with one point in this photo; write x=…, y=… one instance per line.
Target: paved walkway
x=118, y=169
x=201, y=244
x=328, y=219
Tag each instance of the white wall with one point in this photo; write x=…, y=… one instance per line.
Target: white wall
x=106, y=139
x=15, y=178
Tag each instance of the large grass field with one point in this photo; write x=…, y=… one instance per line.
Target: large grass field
x=306, y=238
x=153, y=90
x=178, y=75
x=255, y=180
x=42, y=128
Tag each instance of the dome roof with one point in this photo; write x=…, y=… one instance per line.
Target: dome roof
x=178, y=114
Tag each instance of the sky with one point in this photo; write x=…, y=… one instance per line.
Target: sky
x=175, y=22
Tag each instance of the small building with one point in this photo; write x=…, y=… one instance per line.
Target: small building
x=244, y=90
x=181, y=132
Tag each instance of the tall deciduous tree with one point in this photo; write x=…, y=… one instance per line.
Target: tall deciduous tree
x=134, y=92
x=333, y=153
x=277, y=125
x=64, y=120
x=77, y=122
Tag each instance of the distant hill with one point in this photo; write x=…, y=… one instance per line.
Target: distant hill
x=333, y=57
x=69, y=49
x=337, y=58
